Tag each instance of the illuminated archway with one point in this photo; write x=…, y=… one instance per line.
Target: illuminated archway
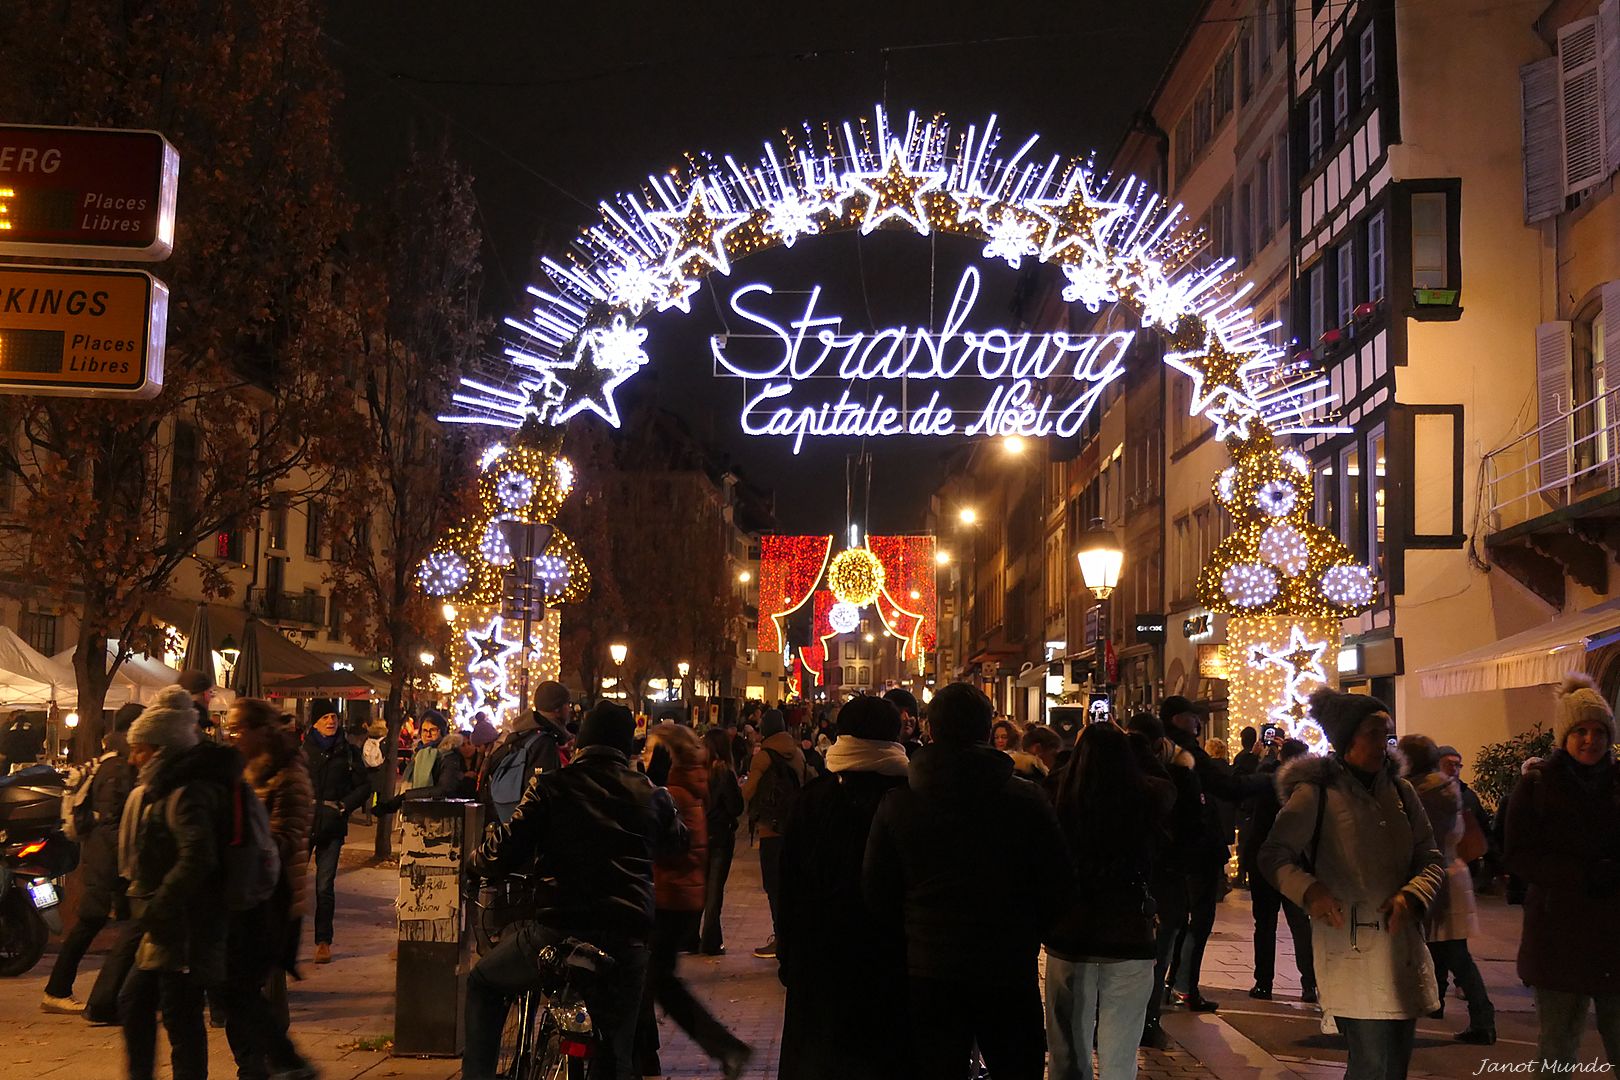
x=1113, y=240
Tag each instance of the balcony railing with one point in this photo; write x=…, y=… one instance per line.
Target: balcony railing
x=308, y=609
x=1564, y=460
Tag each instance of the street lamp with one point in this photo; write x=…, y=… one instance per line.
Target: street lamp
x=71, y=720
x=968, y=516
x=943, y=558
x=744, y=576
x=1100, y=558
x=1013, y=444
x=228, y=652
x=426, y=658
x=449, y=612
x=618, y=651
x=685, y=669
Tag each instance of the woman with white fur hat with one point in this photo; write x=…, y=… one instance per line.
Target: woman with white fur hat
x=1563, y=838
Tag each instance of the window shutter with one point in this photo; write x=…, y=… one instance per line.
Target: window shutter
x=1609, y=66
x=1553, y=361
x=1543, y=164
x=1611, y=376
x=1580, y=92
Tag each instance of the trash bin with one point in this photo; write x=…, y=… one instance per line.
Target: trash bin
x=430, y=982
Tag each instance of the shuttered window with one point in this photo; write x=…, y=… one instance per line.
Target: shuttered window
x=1606, y=362
x=1313, y=131
x=1318, y=311
x=1609, y=65
x=1368, y=57
x=1347, y=281
x=1430, y=254
x=1375, y=257
x=1543, y=146
x=1580, y=92
x=1554, y=359
x=1341, y=96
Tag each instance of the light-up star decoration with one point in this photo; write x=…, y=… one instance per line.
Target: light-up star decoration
x=604, y=357
x=1216, y=371
x=1300, y=660
x=895, y=191
x=698, y=231
x=1076, y=217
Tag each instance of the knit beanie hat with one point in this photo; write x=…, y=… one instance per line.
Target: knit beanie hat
x=483, y=732
x=1580, y=700
x=170, y=721
x=608, y=724
x=1339, y=715
x=771, y=723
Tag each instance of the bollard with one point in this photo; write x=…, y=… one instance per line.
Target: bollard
x=430, y=976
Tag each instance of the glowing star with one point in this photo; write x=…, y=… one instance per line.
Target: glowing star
x=1249, y=585
x=1090, y=282
x=970, y=206
x=1283, y=546
x=1233, y=417
x=844, y=617
x=1075, y=218
x=791, y=217
x=895, y=191
x=678, y=294
x=1300, y=659
x=698, y=232
x=489, y=648
x=635, y=285
x=1011, y=238
x=1215, y=371
x=604, y=357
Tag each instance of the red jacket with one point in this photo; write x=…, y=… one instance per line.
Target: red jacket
x=678, y=879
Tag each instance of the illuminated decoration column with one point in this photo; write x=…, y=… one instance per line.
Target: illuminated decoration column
x=470, y=570
x=1286, y=583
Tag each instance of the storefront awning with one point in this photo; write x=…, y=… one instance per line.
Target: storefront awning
x=1535, y=657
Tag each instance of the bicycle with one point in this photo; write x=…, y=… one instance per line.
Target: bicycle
x=549, y=1034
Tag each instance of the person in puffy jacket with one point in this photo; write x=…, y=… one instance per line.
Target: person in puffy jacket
x=1563, y=840
x=594, y=827
x=338, y=775
x=103, y=894
x=769, y=794
x=169, y=849
x=1353, y=847
x=1101, y=953
x=675, y=760
x=950, y=857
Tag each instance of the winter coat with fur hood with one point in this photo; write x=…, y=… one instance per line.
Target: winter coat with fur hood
x=1373, y=844
x=281, y=781
x=678, y=880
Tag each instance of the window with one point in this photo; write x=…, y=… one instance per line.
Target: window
x=1262, y=201
x=1181, y=551
x=228, y=545
x=1279, y=13
x=866, y=675
x=1327, y=496
x=1341, y=96
x=38, y=629
x=1220, y=226
x=1375, y=257
x=1375, y=494
x=276, y=539
x=183, y=480
x=1245, y=65
x=1265, y=39
x=1318, y=297
x=1368, y=56
x=1313, y=127
x=1244, y=227
x=1429, y=240
x=1183, y=147
x=1589, y=387
x=334, y=620
x=1346, y=266
x=1352, y=502
x=314, y=528
x=1223, y=88
x=1283, y=188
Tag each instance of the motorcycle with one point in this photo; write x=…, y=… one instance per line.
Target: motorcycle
x=35, y=855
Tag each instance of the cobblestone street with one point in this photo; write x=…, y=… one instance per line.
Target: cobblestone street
x=343, y=1012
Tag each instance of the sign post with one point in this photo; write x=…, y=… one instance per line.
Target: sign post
x=72, y=332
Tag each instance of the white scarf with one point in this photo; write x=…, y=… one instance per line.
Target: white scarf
x=850, y=754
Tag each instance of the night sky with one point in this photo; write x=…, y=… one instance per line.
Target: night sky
x=554, y=106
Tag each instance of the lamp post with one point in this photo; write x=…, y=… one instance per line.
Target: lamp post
x=618, y=651
x=685, y=669
x=1100, y=558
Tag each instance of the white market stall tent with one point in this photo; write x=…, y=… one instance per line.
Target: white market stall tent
x=137, y=679
x=30, y=678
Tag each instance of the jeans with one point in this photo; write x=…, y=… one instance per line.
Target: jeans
x=1379, y=1049
x=326, y=868
x=1102, y=1002
x=665, y=987
x=256, y=1031
x=770, y=872
x=180, y=998
x=722, y=845
x=74, y=945
x=1266, y=902
x=949, y=1017
x=1203, y=897
x=1560, y=1016
x=512, y=967
x=1453, y=957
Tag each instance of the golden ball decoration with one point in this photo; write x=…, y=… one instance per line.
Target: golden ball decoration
x=855, y=576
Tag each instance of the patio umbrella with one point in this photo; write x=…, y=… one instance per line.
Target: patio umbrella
x=247, y=678
x=200, y=646
x=329, y=684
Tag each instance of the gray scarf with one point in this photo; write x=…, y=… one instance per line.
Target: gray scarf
x=850, y=754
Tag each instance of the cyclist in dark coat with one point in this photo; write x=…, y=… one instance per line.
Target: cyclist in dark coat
x=594, y=827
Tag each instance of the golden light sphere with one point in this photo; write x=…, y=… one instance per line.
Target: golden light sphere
x=855, y=576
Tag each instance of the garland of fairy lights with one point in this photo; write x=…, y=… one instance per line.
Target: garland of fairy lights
x=1113, y=240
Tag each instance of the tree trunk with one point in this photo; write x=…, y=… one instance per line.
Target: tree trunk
x=91, y=678
x=394, y=714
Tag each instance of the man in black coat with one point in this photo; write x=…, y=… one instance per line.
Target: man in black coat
x=1265, y=899
x=971, y=861
x=594, y=827
x=103, y=894
x=844, y=969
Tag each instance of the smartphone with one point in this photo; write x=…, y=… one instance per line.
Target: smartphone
x=1100, y=711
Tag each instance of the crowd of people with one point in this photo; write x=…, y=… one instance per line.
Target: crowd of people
x=915, y=865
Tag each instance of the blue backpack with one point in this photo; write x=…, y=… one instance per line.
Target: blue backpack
x=510, y=777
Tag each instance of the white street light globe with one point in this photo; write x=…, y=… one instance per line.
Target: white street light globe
x=1100, y=559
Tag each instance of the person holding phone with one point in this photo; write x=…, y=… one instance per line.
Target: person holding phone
x=1353, y=846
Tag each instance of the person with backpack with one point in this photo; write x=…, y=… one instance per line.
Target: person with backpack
x=532, y=747
x=263, y=940
x=775, y=775
x=724, y=811
x=95, y=809
x=1353, y=846
x=341, y=783
x=171, y=850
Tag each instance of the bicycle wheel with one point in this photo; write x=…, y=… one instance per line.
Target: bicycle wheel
x=517, y=1047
